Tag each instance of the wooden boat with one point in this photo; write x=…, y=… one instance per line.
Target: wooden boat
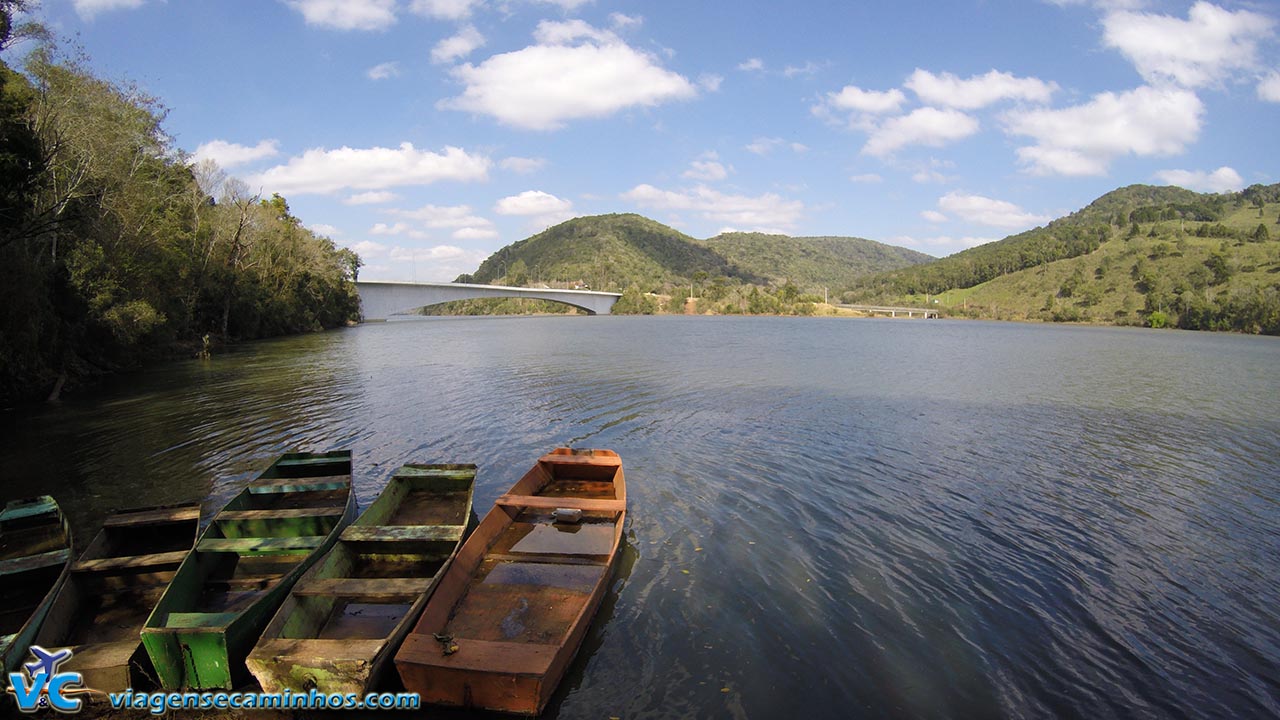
x=35, y=552
x=118, y=579
x=243, y=566
x=514, y=606
x=349, y=613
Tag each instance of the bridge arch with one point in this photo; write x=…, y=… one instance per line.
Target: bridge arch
x=380, y=300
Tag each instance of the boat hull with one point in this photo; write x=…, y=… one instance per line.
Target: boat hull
x=227, y=589
x=35, y=557
x=517, y=602
x=348, y=615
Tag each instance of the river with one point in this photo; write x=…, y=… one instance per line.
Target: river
x=829, y=518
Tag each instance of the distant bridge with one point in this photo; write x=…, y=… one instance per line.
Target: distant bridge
x=893, y=311
x=380, y=300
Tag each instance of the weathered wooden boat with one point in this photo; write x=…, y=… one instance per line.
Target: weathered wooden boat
x=243, y=567
x=515, y=604
x=35, y=553
x=119, y=578
x=346, y=617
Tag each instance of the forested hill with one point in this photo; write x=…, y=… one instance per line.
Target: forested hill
x=117, y=249
x=812, y=261
x=615, y=252
x=1138, y=255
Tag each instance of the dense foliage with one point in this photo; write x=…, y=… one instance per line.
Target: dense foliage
x=1160, y=257
x=616, y=252
x=812, y=262
x=118, y=249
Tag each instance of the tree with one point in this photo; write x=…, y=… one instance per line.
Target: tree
x=1261, y=234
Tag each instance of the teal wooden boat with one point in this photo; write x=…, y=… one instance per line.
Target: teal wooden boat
x=113, y=586
x=242, y=568
x=346, y=617
x=35, y=552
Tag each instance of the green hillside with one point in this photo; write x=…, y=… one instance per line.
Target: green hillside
x=811, y=262
x=615, y=252
x=1138, y=255
x=606, y=252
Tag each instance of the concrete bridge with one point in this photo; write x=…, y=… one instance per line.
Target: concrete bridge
x=893, y=311
x=380, y=300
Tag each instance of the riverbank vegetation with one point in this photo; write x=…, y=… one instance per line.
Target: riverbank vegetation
x=118, y=249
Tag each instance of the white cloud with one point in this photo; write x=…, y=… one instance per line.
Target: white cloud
x=566, y=5
x=622, y=22
x=347, y=14
x=87, y=9
x=457, y=46
x=933, y=216
x=368, y=249
x=532, y=202
x=808, y=68
x=383, y=71
x=324, y=229
x=543, y=86
x=373, y=197
x=229, y=155
x=444, y=9
x=1269, y=87
x=751, y=65
x=444, y=216
x=867, y=101
x=1224, y=179
x=923, y=126
x=867, y=178
x=377, y=168
x=542, y=208
x=441, y=263
x=710, y=82
x=944, y=243
x=475, y=233
x=986, y=211
x=706, y=167
x=523, y=165
x=766, y=145
x=766, y=211
x=396, y=229
x=1082, y=140
x=978, y=91
x=1199, y=51
x=928, y=175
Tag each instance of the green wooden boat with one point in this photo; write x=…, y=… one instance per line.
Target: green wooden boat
x=35, y=552
x=346, y=617
x=118, y=579
x=243, y=567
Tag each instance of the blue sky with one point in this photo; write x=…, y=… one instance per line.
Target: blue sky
x=426, y=134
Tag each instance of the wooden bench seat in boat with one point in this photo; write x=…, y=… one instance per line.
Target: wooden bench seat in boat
x=179, y=620
x=282, y=513
x=260, y=544
x=398, y=533
x=374, y=590
x=329, y=652
x=591, y=460
x=128, y=563
x=34, y=562
x=184, y=513
x=553, y=503
x=299, y=484
x=487, y=656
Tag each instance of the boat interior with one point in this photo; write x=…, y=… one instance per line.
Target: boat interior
x=546, y=560
x=34, y=549
x=386, y=560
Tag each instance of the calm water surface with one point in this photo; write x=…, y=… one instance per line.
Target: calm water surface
x=829, y=518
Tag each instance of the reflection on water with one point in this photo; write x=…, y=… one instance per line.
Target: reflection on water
x=860, y=518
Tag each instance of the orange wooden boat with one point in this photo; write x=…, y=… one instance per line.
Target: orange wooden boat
x=513, y=607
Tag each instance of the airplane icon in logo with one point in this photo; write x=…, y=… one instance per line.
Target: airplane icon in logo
x=46, y=662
